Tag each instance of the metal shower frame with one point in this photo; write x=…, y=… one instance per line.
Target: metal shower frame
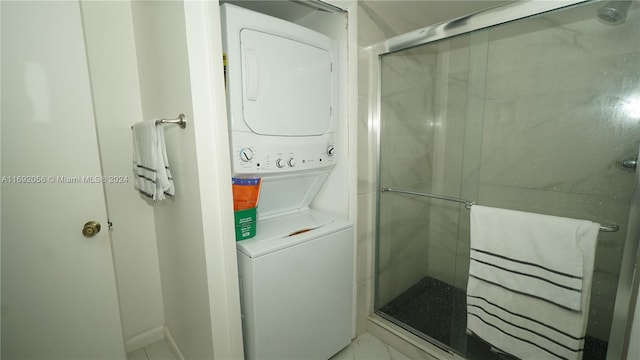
x=627, y=291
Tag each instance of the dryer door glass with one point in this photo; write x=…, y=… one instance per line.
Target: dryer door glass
x=286, y=85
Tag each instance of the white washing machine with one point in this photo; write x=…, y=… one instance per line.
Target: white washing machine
x=296, y=280
x=296, y=274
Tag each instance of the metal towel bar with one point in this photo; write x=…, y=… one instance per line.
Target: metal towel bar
x=468, y=204
x=180, y=121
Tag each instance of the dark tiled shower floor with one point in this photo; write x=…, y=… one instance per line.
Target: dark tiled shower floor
x=429, y=307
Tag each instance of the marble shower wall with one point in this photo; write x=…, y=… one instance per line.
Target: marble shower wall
x=423, y=108
x=556, y=120
x=379, y=20
x=406, y=105
x=532, y=116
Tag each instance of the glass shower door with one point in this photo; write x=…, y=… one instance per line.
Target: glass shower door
x=424, y=108
x=534, y=115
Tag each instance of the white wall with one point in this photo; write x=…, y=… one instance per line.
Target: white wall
x=204, y=43
x=114, y=80
x=164, y=82
x=197, y=265
x=194, y=230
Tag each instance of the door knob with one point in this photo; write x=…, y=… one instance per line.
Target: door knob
x=91, y=228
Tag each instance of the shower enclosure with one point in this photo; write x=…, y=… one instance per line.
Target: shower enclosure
x=537, y=113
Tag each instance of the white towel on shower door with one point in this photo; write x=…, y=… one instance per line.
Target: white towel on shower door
x=530, y=282
x=150, y=162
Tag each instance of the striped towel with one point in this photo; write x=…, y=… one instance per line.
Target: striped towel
x=530, y=282
x=150, y=162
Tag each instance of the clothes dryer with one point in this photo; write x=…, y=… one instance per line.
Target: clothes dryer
x=297, y=273
x=282, y=93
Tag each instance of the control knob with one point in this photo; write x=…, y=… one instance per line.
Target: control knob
x=246, y=154
x=331, y=150
x=292, y=162
x=280, y=163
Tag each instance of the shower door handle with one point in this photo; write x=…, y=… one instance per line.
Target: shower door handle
x=630, y=163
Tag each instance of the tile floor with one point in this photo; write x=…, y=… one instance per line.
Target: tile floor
x=158, y=350
x=369, y=347
x=365, y=347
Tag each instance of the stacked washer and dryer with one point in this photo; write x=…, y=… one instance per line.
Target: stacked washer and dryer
x=296, y=274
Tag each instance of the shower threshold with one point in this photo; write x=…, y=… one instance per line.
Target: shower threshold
x=436, y=312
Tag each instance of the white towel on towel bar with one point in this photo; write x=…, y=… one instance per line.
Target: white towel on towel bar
x=150, y=162
x=530, y=282
x=538, y=255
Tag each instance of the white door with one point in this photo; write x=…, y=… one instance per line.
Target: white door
x=59, y=296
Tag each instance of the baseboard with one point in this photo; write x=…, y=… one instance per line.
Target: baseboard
x=172, y=344
x=144, y=338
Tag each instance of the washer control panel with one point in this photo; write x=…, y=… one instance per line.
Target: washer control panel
x=268, y=159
